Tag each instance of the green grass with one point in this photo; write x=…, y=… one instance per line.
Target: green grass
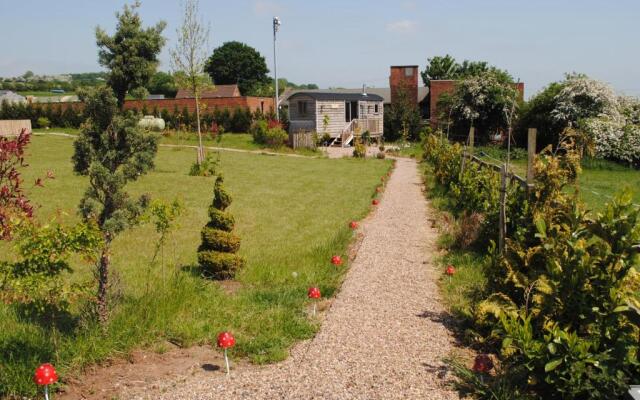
x=70, y=131
x=407, y=149
x=241, y=141
x=46, y=94
x=462, y=291
x=291, y=213
x=598, y=182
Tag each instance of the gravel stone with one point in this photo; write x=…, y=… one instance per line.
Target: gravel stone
x=382, y=338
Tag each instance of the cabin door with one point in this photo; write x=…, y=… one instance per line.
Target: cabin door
x=350, y=110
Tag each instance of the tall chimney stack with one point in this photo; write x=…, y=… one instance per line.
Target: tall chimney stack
x=404, y=78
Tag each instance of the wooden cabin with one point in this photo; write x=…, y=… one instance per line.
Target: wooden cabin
x=347, y=115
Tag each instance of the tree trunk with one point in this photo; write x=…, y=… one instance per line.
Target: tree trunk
x=200, y=148
x=103, y=281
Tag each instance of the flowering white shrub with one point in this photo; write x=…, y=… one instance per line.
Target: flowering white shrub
x=614, y=139
x=484, y=100
x=582, y=97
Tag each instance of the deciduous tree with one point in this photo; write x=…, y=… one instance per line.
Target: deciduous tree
x=236, y=62
x=189, y=58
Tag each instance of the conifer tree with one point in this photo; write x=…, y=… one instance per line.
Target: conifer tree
x=217, y=253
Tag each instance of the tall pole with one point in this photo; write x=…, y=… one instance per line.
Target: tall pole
x=276, y=24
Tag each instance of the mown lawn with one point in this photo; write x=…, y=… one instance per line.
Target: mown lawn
x=292, y=215
x=241, y=141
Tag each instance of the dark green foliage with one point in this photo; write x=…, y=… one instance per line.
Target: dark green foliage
x=216, y=254
x=447, y=68
x=62, y=117
x=162, y=83
x=111, y=151
x=536, y=113
x=131, y=54
x=220, y=265
x=219, y=240
x=557, y=303
x=240, y=121
x=402, y=119
x=238, y=63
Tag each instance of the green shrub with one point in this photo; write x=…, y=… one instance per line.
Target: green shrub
x=258, y=131
x=359, y=149
x=276, y=137
x=217, y=252
x=220, y=265
x=43, y=122
x=208, y=166
x=556, y=306
x=220, y=220
x=240, y=120
x=219, y=240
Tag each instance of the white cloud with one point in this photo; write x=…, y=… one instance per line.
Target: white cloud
x=402, y=26
x=262, y=7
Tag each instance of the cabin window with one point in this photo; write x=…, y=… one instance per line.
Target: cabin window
x=376, y=109
x=302, y=107
x=408, y=71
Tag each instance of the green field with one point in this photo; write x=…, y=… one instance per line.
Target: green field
x=241, y=141
x=598, y=182
x=291, y=213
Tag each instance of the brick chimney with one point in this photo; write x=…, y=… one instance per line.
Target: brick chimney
x=404, y=77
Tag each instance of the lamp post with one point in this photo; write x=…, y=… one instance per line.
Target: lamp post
x=276, y=25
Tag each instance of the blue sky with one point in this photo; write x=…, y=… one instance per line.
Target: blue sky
x=350, y=42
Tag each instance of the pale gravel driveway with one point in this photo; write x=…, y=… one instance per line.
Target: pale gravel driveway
x=382, y=338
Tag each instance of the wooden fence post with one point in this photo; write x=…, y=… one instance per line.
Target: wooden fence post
x=472, y=133
x=531, y=150
x=503, y=217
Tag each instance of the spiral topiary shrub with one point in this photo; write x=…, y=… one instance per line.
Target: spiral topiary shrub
x=217, y=253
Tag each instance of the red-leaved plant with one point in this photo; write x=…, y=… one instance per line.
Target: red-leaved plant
x=272, y=123
x=13, y=202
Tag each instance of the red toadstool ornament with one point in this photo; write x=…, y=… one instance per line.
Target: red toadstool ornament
x=353, y=225
x=375, y=202
x=336, y=260
x=226, y=340
x=450, y=271
x=314, y=293
x=45, y=375
x=482, y=363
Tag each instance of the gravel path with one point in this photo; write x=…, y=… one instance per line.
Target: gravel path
x=383, y=337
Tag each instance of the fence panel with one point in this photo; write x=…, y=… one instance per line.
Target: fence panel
x=12, y=127
x=302, y=140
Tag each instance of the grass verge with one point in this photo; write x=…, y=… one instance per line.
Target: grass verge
x=292, y=216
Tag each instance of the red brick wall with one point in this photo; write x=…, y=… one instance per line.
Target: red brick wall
x=440, y=87
x=253, y=103
x=398, y=80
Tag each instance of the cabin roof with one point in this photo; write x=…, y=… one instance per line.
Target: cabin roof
x=385, y=93
x=338, y=96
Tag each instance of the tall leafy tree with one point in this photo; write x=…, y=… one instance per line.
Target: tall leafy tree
x=236, y=62
x=440, y=68
x=189, y=58
x=162, y=83
x=111, y=151
x=446, y=67
x=131, y=54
